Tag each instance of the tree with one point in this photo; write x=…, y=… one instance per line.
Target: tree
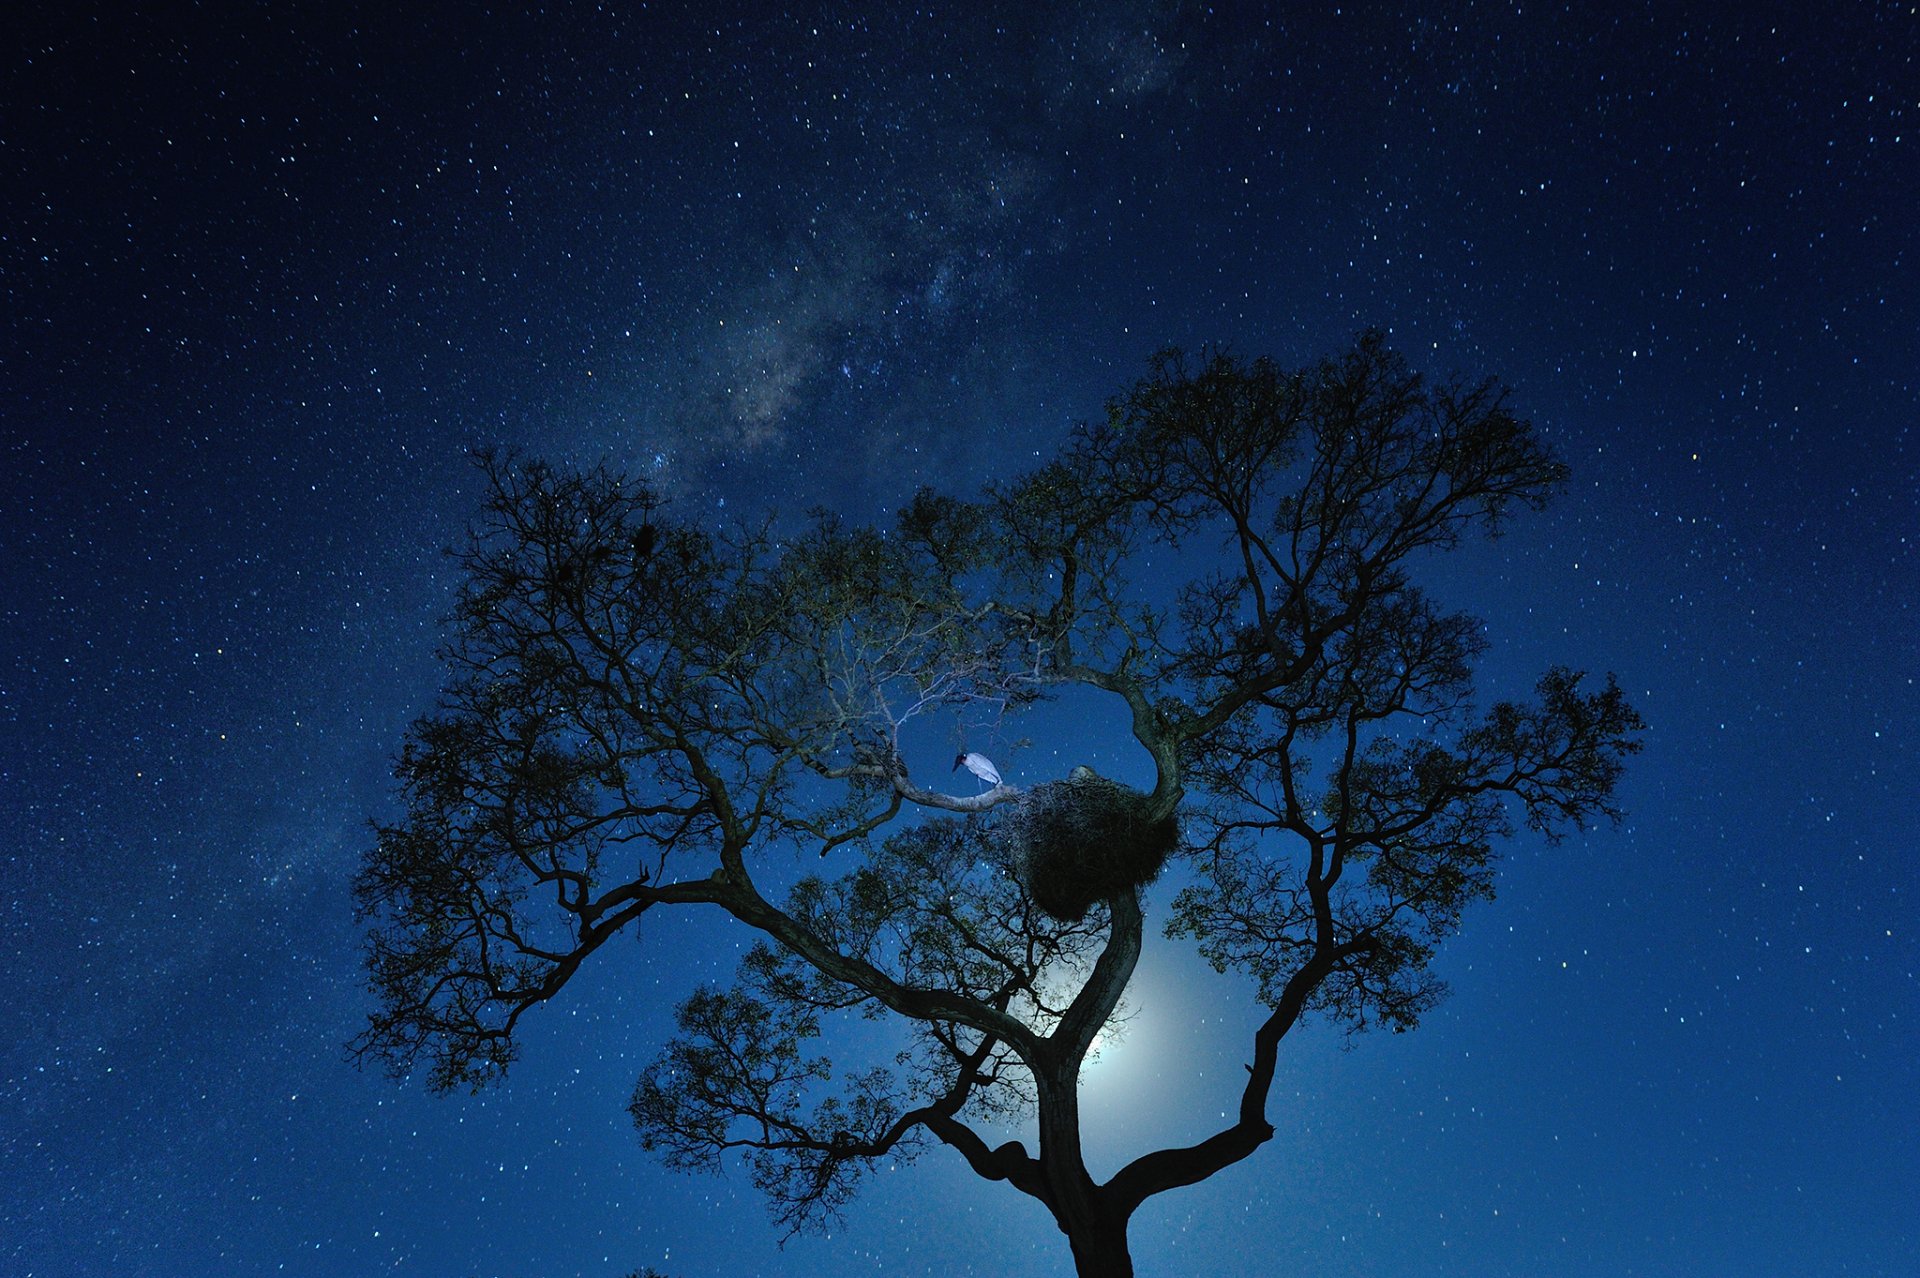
x=642, y=715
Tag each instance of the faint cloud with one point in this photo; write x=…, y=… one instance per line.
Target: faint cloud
x=790, y=327
x=1113, y=54
x=1129, y=52
x=856, y=279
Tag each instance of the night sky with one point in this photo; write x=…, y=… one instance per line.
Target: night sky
x=270, y=273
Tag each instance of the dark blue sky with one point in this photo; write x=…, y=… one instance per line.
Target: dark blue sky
x=268, y=272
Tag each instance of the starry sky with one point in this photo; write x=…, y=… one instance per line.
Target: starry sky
x=269, y=272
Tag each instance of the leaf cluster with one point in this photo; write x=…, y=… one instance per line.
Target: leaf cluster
x=939, y=906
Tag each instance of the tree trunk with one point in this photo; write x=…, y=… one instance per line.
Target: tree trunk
x=1100, y=1250
x=1085, y=1212
x=1093, y=1218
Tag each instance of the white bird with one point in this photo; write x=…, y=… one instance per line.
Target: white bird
x=978, y=764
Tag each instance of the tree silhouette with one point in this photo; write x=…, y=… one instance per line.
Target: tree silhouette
x=642, y=714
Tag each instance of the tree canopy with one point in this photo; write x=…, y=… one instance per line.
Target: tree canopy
x=643, y=713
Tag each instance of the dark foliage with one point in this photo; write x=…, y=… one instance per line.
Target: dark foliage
x=641, y=714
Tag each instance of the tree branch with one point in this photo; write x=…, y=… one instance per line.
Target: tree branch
x=1166, y=1169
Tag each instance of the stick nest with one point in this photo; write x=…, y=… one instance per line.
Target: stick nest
x=1082, y=840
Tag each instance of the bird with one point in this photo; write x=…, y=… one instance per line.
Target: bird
x=978, y=764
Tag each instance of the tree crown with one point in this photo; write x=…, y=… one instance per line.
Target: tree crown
x=641, y=713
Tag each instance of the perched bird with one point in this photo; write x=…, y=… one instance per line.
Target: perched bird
x=978, y=764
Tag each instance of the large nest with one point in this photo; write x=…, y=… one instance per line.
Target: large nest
x=1082, y=840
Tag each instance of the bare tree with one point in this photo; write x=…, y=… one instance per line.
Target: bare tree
x=641, y=714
